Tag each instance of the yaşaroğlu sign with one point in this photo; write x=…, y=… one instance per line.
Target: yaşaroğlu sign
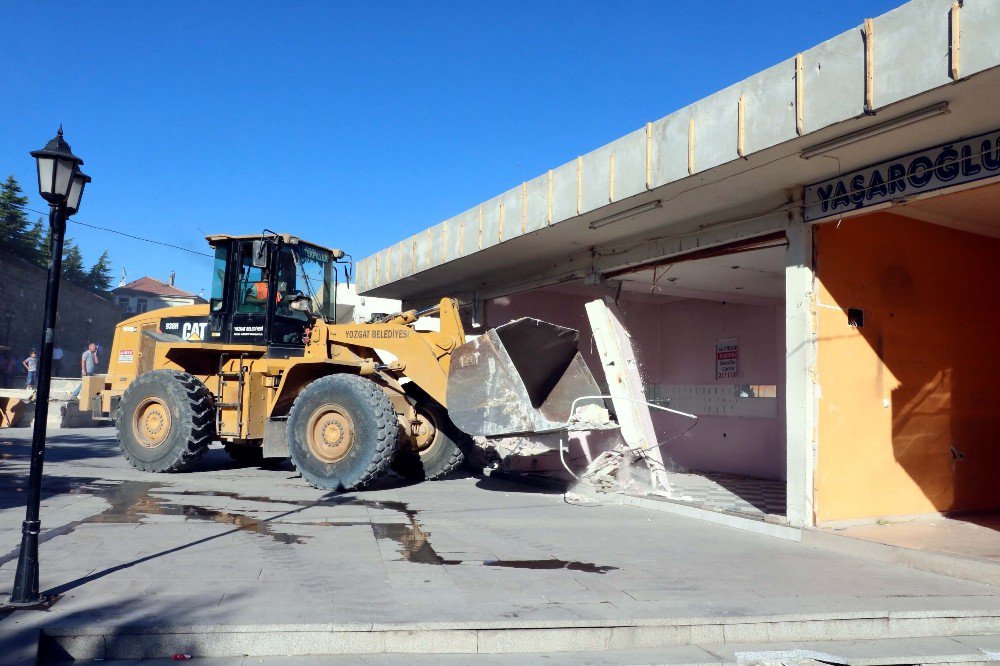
x=949, y=164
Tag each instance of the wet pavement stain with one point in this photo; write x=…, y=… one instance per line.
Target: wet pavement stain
x=131, y=501
x=588, y=567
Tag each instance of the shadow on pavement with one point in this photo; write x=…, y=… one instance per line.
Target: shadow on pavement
x=511, y=484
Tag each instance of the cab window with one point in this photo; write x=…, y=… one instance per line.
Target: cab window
x=251, y=287
x=219, y=277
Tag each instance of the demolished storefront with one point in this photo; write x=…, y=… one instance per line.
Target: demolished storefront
x=803, y=261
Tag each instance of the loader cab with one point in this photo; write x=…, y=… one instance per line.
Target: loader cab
x=265, y=289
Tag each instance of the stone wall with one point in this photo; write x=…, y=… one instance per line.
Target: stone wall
x=82, y=316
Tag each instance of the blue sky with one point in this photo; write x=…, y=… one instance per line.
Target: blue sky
x=353, y=124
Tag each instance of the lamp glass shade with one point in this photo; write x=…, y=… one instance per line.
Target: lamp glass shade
x=46, y=175
x=63, y=177
x=80, y=181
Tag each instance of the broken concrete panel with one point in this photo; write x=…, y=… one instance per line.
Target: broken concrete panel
x=769, y=107
x=630, y=164
x=512, y=219
x=491, y=222
x=452, y=230
x=564, y=192
x=625, y=386
x=911, y=50
x=833, y=81
x=595, y=179
x=980, y=25
x=715, y=129
x=468, y=231
x=670, y=148
x=537, y=203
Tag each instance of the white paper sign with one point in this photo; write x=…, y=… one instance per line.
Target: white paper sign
x=727, y=358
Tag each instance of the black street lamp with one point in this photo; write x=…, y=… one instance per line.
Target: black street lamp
x=61, y=183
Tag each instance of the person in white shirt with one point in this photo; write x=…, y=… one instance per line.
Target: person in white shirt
x=57, y=356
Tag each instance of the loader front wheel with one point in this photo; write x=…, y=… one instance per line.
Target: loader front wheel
x=165, y=421
x=436, y=447
x=342, y=432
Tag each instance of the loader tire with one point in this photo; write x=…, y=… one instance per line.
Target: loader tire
x=165, y=421
x=342, y=432
x=436, y=453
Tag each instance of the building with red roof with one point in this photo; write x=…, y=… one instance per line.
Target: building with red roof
x=148, y=293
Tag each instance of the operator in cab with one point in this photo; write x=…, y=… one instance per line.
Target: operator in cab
x=257, y=292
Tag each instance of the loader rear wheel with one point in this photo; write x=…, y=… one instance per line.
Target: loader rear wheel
x=342, y=432
x=436, y=448
x=165, y=421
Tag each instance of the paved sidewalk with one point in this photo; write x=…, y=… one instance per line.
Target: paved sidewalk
x=239, y=547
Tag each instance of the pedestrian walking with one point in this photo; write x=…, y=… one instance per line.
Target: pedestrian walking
x=57, y=357
x=31, y=365
x=88, y=365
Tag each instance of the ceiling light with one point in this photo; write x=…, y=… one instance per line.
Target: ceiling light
x=604, y=221
x=888, y=126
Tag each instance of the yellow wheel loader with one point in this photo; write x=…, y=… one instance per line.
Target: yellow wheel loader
x=265, y=368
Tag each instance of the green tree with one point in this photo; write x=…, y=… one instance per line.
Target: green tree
x=45, y=246
x=99, y=277
x=72, y=267
x=34, y=238
x=13, y=220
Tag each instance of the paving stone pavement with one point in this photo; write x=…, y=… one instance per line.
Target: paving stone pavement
x=232, y=545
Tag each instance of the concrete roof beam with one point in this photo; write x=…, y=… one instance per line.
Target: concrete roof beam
x=904, y=59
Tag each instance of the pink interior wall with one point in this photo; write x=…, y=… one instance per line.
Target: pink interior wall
x=675, y=343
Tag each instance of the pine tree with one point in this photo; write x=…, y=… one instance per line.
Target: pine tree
x=45, y=246
x=13, y=220
x=72, y=267
x=33, y=239
x=33, y=242
x=99, y=277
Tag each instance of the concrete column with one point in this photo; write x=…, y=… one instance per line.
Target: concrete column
x=800, y=387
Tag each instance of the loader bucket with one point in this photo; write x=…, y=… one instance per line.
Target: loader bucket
x=518, y=378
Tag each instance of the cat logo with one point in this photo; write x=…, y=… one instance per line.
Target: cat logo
x=193, y=331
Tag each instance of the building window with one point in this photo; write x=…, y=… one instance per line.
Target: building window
x=141, y=305
x=123, y=304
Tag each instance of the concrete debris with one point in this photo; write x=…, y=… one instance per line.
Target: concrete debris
x=590, y=417
x=504, y=447
x=577, y=499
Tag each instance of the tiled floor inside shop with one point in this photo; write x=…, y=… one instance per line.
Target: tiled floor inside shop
x=731, y=493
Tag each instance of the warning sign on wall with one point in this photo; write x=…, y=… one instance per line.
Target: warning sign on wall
x=727, y=358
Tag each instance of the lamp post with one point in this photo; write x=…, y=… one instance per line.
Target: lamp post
x=61, y=183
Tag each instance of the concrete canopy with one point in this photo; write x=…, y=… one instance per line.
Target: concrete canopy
x=725, y=168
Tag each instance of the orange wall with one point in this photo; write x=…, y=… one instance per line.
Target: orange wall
x=921, y=377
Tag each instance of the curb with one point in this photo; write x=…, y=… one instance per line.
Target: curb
x=504, y=637
x=956, y=566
